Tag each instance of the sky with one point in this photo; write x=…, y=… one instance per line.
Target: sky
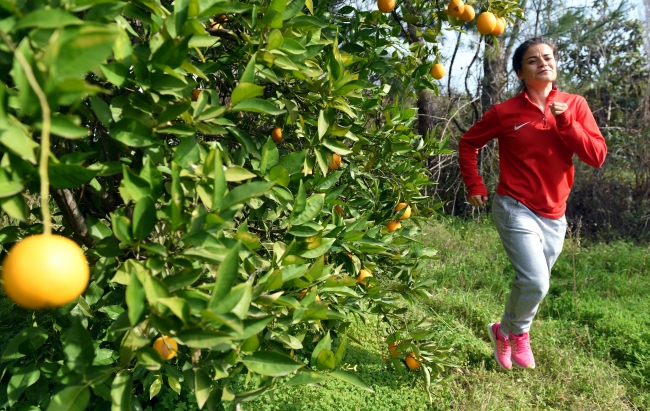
x=469, y=40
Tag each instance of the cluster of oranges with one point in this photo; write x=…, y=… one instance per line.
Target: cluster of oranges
x=410, y=359
x=488, y=23
x=394, y=225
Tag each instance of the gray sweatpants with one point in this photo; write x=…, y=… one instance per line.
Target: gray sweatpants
x=533, y=243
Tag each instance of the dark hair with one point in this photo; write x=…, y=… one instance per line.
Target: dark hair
x=518, y=57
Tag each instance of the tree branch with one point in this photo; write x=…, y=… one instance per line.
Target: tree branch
x=65, y=201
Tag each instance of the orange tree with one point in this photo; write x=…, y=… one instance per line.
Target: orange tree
x=219, y=247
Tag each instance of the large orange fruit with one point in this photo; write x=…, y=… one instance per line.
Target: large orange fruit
x=276, y=135
x=386, y=6
x=407, y=212
x=411, y=362
x=45, y=271
x=486, y=23
x=393, y=225
x=468, y=14
x=456, y=7
x=437, y=71
x=334, y=161
x=166, y=347
x=500, y=27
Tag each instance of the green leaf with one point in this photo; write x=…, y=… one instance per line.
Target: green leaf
x=69, y=175
x=133, y=187
x=21, y=379
x=187, y=152
x=245, y=192
x=351, y=379
x=320, y=250
x=178, y=306
x=78, y=347
x=307, y=377
x=326, y=360
x=82, y=48
x=236, y=174
x=122, y=228
x=174, y=384
x=15, y=206
x=337, y=147
x=203, y=339
x=340, y=352
x=67, y=127
x=323, y=124
x=16, y=140
x=73, y=398
x=313, y=208
x=244, y=91
x=10, y=188
x=144, y=218
x=256, y=105
x=220, y=185
x=135, y=300
x=324, y=344
x=156, y=386
x=280, y=175
x=270, y=156
x=226, y=275
x=274, y=39
x=50, y=18
x=121, y=391
x=202, y=386
x=133, y=133
x=149, y=358
x=291, y=46
x=271, y=363
x=28, y=340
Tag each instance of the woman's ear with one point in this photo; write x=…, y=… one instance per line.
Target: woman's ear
x=519, y=75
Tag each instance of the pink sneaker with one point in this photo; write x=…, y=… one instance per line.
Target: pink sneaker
x=501, y=347
x=522, y=356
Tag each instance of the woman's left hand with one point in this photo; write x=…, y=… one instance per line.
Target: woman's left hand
x=558, y=108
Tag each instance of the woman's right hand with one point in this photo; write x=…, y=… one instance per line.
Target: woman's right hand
x=478, y=200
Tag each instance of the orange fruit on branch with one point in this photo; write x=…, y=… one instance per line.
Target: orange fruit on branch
x=500, y=27
x=166, y=347
x=407, y=212
x=392, y=347
x=486, y=23
x=386, y=6
x=334, y=161
x=468, y=13
x=437, y=71
x=195, y=94
x=456, y=8
x=363, y=274
x=45, y=271
x=393, y=225
x=339, y=210
x=276, y=135
x=411, y=362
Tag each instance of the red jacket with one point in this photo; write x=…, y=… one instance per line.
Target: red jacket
x=535, y=150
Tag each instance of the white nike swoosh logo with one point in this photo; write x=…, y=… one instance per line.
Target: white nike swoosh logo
x=518, y=127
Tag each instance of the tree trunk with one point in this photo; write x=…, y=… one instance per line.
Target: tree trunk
x=494, y=76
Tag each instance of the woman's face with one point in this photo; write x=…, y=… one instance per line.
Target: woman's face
x=538, y=65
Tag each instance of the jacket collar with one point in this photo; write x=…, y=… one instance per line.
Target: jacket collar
x=550, y=99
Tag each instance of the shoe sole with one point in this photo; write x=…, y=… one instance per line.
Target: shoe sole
x=529, y=367
x=493, y=338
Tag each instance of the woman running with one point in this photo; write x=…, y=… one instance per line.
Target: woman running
x=538, y=132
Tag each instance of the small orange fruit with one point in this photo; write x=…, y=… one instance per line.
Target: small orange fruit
x=166, y=347
x=500, y=27
x=334, y=161
x=486, y=23
x=222, y=18
x=276, y=135
x=215, y=26
x=339, y=210
x=407, y=212
x=45, y=271
x=195, y=94
x=468, y=13
x=363, y=274
x=392, y=347
x=386, y=6
x=456, y=7
x=437, y=71
x=393, y=225
x=411, y=362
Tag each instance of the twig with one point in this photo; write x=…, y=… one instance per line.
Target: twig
x=45, y=133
